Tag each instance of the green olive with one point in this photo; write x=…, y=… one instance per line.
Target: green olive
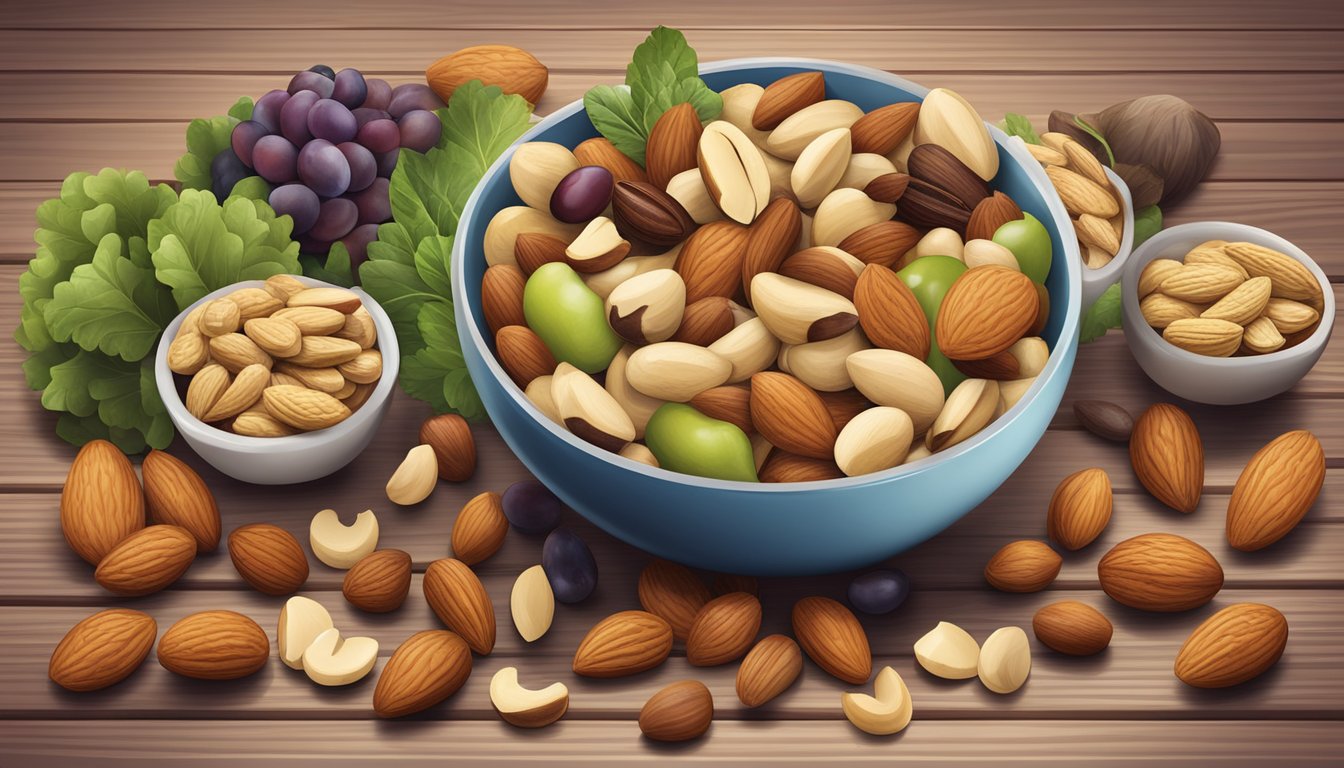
x=1029, y=241
x=685, y=440
x=929, y=277
x=569, y=317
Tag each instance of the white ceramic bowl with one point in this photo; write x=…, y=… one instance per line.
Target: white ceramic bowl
x=1219, y=380
x=282, y=460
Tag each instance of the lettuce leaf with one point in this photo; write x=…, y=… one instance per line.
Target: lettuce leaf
x=1102, y=316
x=207, y=137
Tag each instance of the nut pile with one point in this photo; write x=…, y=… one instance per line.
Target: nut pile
x=1091, y=199
x=278, y=360
x=1223, y=299
x=797, y=291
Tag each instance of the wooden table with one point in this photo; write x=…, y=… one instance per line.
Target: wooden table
x=90, y=84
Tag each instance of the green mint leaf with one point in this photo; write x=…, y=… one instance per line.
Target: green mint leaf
x=612, y=112
x=1147, y=222
x=1018, y=125
x=110, y=305
x=1102, y=316
x=1094, y=133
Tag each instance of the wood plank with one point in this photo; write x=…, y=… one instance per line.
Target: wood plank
x=131, y=96
x=224, y=744
x=408, y=51
x=689, y=14
x=1132, y=679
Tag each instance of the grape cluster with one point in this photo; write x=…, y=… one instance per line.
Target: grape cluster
x=329, y=143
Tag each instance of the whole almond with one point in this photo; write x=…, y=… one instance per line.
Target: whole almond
x=338, y=299
x=601, y=152
x=235, y=352
x=513, y=70
x=678, y=712
x=1072, y=628
x=791, y=416
x=989, y=214
x=1082, y=195
x=426, y=668
x=624, y=643
x=770, y=239
x=985, y=311
x=1292, y=280
x=1214, y=338
x=730, y=403
x=101, y=503
x=1080, y=508
x=502, y=295
x=826, y=267
x=269, y=558
x=219, y=317
x=313, y=321
x=214, y=645
x=1168, y=456
x=710, y=263
x=786, y=96
x=671, y=146
x=379, y=582
x=784, y=467
x=523, y=354
x=531, y=250
x=327, y=380
x=1160, y=572
x=325, y=351
x=102, y=649
x=176, y=495
x=889, y=313
x=304, y=409
x=723, y=630
x=460, y=601
x=1161, y=310
x=1275, y=490
x=887, y=243
x=1236, y=644
x=147, y=561
x=768, y=670
x=1290, y=316
x=360, y=328
x=832, y=637
x=887, y=188
x=479, y=529
x=1023, y=566
x=705, y=321
x=242, y=393
x=188, y=352
x=673, y=593
x=254, y=302
x=275, y=335
x=883, y=129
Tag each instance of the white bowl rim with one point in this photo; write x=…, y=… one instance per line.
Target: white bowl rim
x=1239, y=232
x=1069, y=329
x=193, y=428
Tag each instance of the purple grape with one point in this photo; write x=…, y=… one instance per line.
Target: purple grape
x=275, y=159
x=582, y=194
x=357, y=243
x=379, y=135
x=324, y=168
x=419, y=130
x=244, y=137
x=363, y=168
x=349, y=88
x=225, y=171
x=387, y=162
x=331, y=120
x=294, y=117
x=299, y=203
x=311, y=245
x=375, y=206
x=309, y=80
x=409, y=96
x=879, y=592
x=323, y=70
x=335, y=219
x=531, y=507
x=367, y=114
x=569, y=566
x=380, y=93
x=267, y=109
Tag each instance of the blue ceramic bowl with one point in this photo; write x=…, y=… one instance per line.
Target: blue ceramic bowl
x=760, y=528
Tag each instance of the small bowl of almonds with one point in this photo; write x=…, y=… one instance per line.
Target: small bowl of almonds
x=1225, y=313
x=278, y=381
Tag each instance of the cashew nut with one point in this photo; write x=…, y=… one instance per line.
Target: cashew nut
x=523, y=707
x=948, y=651
x=532, y=603
x=887, y=712
x=341, y=546
x=415, y=478
x=331, y=661
x=301, y=621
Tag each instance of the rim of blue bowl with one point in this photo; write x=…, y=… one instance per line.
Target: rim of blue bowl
x=1068, y=330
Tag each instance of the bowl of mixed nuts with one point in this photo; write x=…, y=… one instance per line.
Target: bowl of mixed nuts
x=1225, y=313
x=799, y=336
x=278, y=381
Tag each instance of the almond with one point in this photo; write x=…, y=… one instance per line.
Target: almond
x=283, y=286
x=731, y=403
x=1080, y=508
x=1168, y=456
x=1160, y=310
x=784, y=467
x=887, y=188
x=1096, y=233
x=219, y=317
x=885, y=242
x=102, y=649
x=770, y=240
x=1234, y=645
x=601, y=152
x=844, y=405
x=989, y=214
x=791, y=416
x=673, y=593
x=339, y=299
x=1275, y=490
x=672, y=143
x=502, y=294
x=675, y=371
x=786, y=96
x=102, y=502
x=768, y=670
x=985, y=311
x=147, y=561
x=379, y=582
x=327, y=380
x=235, y=352
x=269, y=558
x=624, y=643
x=512, y=69
x=821, y=364
x=479, y=529
x=275, y=335
x=176, y=495
x=710, y=263
x=723, y=630
x=304, y=409
x=883, y=129
x=255, y=302
x=1214, y=338
x=889, y=313
x=679, y=712
x=1023, y=566
x=1160, y=572
x=241, y=394
x=426, y=668
x=1290, y=316
x=705, y=321
x=826, y=267
x=188, y=353
x=1292, y=280
x=325, y=352
x=532, y=250
x=214, y=645
x=1072, y=628
x=523, y=354
x=833, y=638
x=313, y=321
x=1080, y=194
x=460, y=601
x=1200, y=283
x=874, y=440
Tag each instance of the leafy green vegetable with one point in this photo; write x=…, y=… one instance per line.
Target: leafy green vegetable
x=408, y=269
x=1101, y=316
x=1094, y=133
x=207, y=137
x=663, y=73
x=116, y=260
x=1018, y=125
x=1147, y=222
x=335, y=269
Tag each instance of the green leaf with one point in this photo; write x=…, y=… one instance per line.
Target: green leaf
x=252, y=188
x=334, y=269
x=1018, y=125
x=664, y=47
x=612, y=112
x=479, y=123
x=1094, y=133
x=432, y=264
x=399, y=290
x=1147, y=222
x=207, y=137
x=1102, y=316
x=110, y=305
x=241, y=109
